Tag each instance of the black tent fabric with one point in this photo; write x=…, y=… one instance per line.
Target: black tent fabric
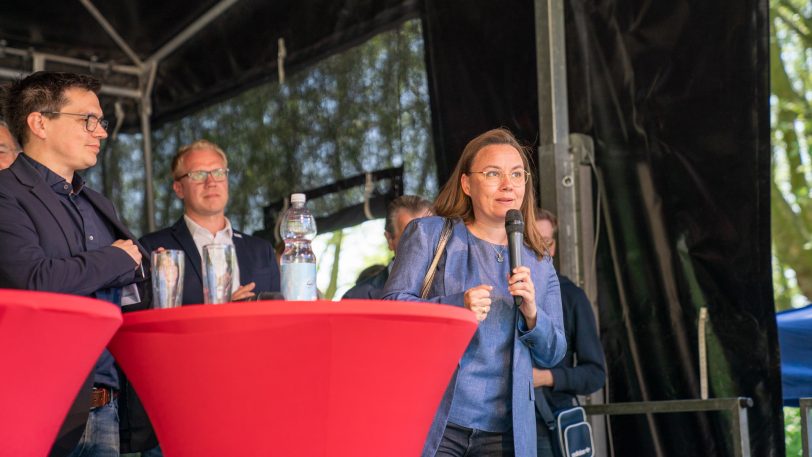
x=675, y=95
x=680, y=105
x=482, y=73
x=236, y=51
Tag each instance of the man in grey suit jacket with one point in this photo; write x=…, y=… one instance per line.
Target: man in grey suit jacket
x=58, y=235
x=200, y=180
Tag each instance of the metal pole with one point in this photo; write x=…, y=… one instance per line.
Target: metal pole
x=741, y=427
x=565, y=179
x=112, y=32
x=116, y=91
x=806, y=417
x=25, y=53
x=213, y=13
x=146, y=129
x=737, y=407
x=703, y=353
x=557, y=166
x=39, y=62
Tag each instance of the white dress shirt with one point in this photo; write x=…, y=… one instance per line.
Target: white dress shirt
x=203, y=236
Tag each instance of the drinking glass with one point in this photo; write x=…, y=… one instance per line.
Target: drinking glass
x=217, y=273
x=167, y=278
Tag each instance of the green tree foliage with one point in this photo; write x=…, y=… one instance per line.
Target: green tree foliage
x=364, y=109
x=335, y=243
x=791, y=113
x=361, y=110
x=791, y=205
x=792, y=435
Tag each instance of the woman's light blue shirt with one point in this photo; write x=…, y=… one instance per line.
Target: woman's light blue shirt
x=458, y=271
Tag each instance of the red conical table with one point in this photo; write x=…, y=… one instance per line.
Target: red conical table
x=48, y=345
x=351, y=378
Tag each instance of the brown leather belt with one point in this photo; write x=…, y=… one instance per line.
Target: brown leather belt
x=101, y=396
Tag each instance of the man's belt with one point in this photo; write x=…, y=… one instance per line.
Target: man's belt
x=100, y=396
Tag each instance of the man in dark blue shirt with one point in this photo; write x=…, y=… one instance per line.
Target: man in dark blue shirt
x=582, y=371
x=58, y=235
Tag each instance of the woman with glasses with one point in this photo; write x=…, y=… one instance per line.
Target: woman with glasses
x=488, y=407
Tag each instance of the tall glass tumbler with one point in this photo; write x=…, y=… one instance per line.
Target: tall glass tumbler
x=167, y=278
x=217, y=273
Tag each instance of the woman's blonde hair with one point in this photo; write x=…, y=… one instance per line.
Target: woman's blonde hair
x=453, y=203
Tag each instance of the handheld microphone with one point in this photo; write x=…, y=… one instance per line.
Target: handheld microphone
x=514, y=226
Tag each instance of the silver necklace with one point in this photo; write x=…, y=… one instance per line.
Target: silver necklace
x=500, y=253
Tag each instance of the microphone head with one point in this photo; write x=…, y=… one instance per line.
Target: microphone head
x=514, y=221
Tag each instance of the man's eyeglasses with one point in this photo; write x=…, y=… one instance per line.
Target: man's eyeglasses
x=494, y=177
x=218, y=174
x=91, y=120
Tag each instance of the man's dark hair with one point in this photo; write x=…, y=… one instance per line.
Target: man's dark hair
x=40, y=91
x=545, y=215
x=369, y=272
x=414, y=204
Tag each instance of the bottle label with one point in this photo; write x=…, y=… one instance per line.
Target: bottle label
x=299, y=281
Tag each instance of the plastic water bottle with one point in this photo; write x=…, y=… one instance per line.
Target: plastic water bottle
x=298, y=264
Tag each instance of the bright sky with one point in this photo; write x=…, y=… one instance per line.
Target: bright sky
x=362, y=246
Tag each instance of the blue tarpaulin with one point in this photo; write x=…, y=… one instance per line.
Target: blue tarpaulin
x=795, y=340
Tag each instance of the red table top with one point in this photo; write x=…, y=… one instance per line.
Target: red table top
x=48, y=345
x=353, y=378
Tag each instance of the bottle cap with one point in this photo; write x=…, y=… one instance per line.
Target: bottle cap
x=297, y=198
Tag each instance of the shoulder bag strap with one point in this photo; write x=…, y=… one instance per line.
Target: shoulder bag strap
x=444, y=236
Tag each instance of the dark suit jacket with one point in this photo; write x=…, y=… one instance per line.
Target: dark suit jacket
x=41, y=251
x=39, y=240
x=255, y=257
x=257, y=262
x=371, y=287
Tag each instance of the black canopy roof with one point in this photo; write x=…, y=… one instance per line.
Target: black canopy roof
x=204, y=50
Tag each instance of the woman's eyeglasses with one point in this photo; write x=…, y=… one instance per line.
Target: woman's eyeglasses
x=494, y=177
